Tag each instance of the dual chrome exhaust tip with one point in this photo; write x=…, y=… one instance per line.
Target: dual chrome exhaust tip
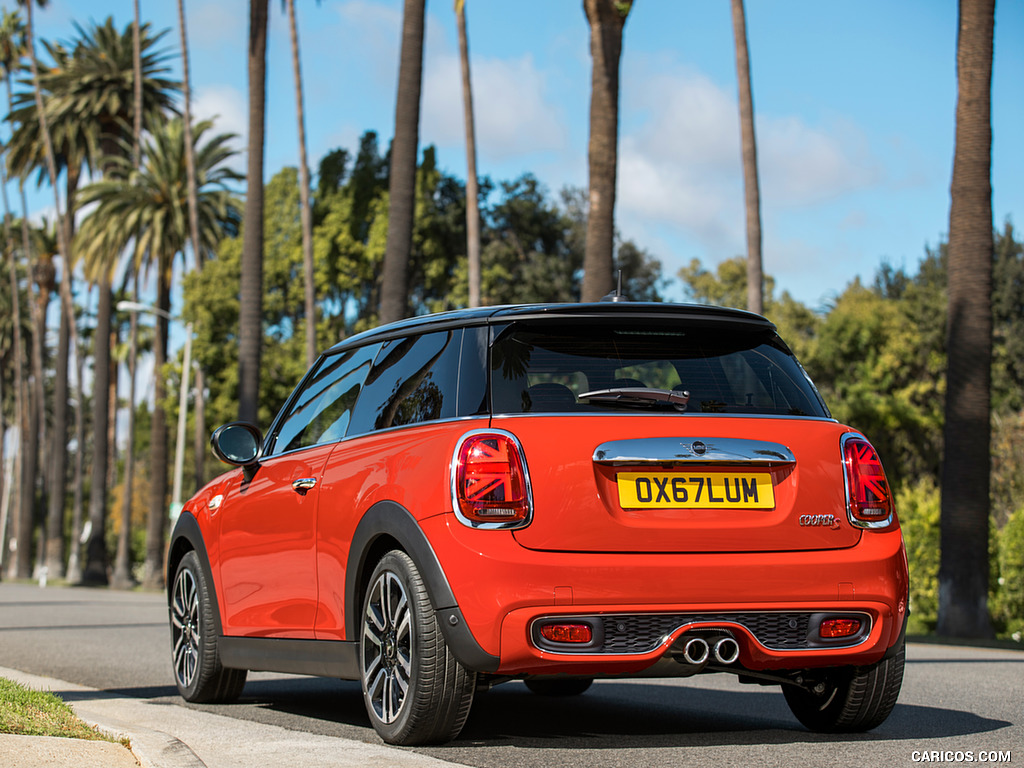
x=698, y=650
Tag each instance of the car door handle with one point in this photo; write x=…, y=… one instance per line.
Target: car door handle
x=303, y=484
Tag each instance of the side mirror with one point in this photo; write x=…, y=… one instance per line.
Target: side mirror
x=237, y=443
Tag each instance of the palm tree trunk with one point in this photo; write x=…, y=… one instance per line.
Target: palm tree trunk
x=7, y=482
x=752, y=193
x=74, y=572
x=394, y=299
x=153, y=576
x=53, y=556
x=19, y=389
x=966, y=466
x=67, y=339
x=44, y=131
x=200, y=437
x=95, y=571
x=193, y=227
x=305, y=210
x=607, y=19
x=122, y=578
x=250, y=334
x=472, y=185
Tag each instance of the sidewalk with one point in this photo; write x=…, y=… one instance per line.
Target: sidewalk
x=170, y=736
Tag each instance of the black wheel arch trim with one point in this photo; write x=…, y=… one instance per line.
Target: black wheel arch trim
x=188, y=536
x=392, y=520
x=901, y=641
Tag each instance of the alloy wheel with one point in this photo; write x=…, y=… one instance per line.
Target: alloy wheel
x=387, y=646
x=185, y=629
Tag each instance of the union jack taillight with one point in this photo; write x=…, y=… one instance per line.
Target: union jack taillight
x=490, y=483
x=868, y=498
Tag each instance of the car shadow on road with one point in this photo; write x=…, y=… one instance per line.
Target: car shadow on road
x=611, y=715
x=614, y=715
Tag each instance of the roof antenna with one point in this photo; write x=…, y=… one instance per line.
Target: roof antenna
x=615, y=295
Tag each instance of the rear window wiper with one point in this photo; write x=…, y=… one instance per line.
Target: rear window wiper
x=648, y=397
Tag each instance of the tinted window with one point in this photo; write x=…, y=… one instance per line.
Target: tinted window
x=321, y=411
x=544, y=367
x=414, y=379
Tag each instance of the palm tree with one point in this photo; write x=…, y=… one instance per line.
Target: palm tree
x=755, y=278
x=12, y=49
x=472, y=186
x=90, y=104
x=966, y=466
x=250, y=293
x=74, y=144
x=33, y=424
x=145, y=211
x=199, y=444
x=607, y=19
x=394, y=294
x=122, y=577
x=306, y=211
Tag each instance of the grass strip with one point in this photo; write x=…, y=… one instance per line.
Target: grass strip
x=38, y=713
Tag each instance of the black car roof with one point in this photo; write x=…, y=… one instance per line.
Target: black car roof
x=460, y=318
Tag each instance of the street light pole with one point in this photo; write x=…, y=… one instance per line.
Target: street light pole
x=179, y=449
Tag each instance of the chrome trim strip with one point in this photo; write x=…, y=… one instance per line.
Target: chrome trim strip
x=692, y=450
x=712, y=622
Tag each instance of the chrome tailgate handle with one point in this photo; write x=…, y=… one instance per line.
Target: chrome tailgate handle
x=710, y=450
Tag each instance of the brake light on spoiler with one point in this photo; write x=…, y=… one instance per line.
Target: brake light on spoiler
x=869, y=501
x=490, y=482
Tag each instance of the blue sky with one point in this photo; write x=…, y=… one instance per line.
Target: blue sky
x=854, y=101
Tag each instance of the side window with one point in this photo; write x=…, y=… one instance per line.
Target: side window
x=414, y=379
x=321, y=411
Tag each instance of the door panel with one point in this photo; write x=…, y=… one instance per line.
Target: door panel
x=268, y=547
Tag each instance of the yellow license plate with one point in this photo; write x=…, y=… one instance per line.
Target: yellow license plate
x=695, y=490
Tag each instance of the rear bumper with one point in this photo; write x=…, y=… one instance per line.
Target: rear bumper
x=502, y=588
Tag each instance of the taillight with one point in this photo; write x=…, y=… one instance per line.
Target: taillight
x=490, y=484
x=868, y=497
x=567, y=633
x=832, y=629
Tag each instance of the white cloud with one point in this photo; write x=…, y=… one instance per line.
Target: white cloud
x=680, y=160
x=227, y=107
x=512, y=113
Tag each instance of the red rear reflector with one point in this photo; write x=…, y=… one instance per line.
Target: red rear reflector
x=490, y=481
x=839, y=627
x=567, y=633
x=868, y=494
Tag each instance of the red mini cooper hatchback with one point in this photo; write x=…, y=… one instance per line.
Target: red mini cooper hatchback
x=552, y=493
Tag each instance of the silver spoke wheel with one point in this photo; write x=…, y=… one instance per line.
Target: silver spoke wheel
x=415, y=690
x=387, y=646
x=198, y=672
x=185, y=628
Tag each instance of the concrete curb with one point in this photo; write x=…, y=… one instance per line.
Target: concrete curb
x=166, y=735
x=151, y=748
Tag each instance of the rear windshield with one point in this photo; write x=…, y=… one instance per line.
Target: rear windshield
x=545, y=366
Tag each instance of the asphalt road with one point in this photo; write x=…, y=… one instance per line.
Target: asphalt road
x=958, y=704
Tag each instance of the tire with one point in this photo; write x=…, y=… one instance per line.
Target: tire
x=853, y=700
x=197, y=669
x=415, y=690
x=569, y=686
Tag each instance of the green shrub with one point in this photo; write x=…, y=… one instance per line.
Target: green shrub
x=1007, y=603
x=918, y=507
